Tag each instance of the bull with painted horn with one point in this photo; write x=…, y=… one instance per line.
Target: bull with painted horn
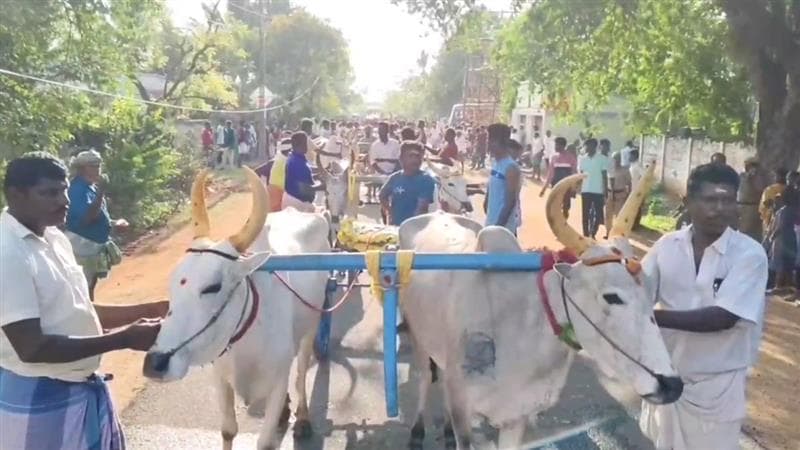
x=246, y=323
x=505, y=340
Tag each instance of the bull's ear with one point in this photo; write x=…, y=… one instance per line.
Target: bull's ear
x=250, y=263
x=563, y=269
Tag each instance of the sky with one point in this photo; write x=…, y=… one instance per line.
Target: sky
x=385, y=41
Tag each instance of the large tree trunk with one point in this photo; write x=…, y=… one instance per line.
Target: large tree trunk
x=778, y=137
x=766, y=41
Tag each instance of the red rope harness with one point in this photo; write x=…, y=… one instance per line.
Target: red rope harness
x=549, y=260
x=312, y=306
x=251, y=318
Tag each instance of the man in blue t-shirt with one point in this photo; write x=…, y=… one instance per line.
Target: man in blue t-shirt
x=407, y=192
x=299, y=186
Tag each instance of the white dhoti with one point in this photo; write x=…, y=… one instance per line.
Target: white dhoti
x=296, y=203
x=708, y=415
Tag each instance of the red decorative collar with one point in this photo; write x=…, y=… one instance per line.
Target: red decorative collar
x=251, y=318
x=549, y=260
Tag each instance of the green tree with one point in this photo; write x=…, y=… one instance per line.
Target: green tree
x=308, y=57
x=696, y=63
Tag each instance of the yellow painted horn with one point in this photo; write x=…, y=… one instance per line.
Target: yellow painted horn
x=242, y=240
x=623, y=223
x=568, y=237
x=199, y=211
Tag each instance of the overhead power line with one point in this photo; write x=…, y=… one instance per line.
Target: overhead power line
x=154, y=103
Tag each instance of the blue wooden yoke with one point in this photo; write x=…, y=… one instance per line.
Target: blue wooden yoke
x=526, y=261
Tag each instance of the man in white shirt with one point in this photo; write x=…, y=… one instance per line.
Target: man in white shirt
x=593, y=191
x=709, y=283
x=384, y=154
x=52, y=335
x=549, y=148
x=625, y=154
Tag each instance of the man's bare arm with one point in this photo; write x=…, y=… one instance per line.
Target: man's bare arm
x=114, y=316
x=703, y=320
x=34, y=346
x=512, y=193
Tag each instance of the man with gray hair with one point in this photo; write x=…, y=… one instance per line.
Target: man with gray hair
x=88, y=224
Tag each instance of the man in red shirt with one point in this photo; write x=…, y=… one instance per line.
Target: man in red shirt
x=207, y=140
x=448, y=154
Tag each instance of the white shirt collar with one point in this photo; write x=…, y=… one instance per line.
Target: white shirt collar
x=18, y=229
x=720, y=245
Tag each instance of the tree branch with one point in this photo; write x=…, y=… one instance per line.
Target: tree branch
x=140, y=87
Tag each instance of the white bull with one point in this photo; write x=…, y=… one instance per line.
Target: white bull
x=490, y=335
x=249, y=324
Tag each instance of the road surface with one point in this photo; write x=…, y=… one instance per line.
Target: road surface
x=346, y=393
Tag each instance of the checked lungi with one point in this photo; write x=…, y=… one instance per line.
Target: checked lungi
x=38, y=413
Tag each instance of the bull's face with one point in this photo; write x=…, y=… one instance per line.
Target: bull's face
x=608, y=301
x=611, y=310
x=209, y=294
x=336, y=194
x=452, y=193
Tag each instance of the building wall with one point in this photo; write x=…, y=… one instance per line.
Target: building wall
x=676, y=157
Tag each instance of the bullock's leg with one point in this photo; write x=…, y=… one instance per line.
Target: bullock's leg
x=511, y=435
x=302, y=424
x=276, y=400
x=422, y=366
x=459, y=410
x=227, y=407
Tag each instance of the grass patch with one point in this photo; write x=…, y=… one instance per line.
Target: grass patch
x=660, y=211
x=663, y=224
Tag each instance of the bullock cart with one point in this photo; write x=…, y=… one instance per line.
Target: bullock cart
x=390, y=271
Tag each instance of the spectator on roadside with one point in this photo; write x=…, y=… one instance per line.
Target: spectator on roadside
x=562, y=164
x=479, y=155
x=781, y=242
x=625, y=154
x=766, y=206
x=449, y=153
x=636, y=172
x=619, y=181
x=549, y=148
x=593, y=191
x=89, y=224
x=751, y=186
x=422, y=134
x=243, y=140
x=207, y=143
x=230, y=153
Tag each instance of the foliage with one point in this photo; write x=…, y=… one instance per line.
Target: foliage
x=663, y=56
x=148, y=175
x=433, y=93
x=308, y=56
x=680, y=63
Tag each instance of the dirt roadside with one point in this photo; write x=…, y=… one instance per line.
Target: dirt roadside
x=772, y=392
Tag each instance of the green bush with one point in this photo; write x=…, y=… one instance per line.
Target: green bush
x=148, y=174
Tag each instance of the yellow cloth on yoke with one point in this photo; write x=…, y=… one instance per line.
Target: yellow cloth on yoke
x=404, y=262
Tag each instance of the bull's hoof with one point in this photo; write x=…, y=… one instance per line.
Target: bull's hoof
x=417, y=436
x=257, y=409
x=449, y=437
x=302, y=429
x=286, y=414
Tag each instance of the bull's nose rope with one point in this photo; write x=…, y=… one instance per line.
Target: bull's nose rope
x=404, y=262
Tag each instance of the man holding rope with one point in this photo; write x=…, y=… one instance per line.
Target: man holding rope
x=52, y=335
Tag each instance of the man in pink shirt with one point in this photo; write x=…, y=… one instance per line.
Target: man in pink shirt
x=562, y=165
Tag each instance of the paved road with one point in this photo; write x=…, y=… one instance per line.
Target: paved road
x=347, y=405
x=348, y=410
